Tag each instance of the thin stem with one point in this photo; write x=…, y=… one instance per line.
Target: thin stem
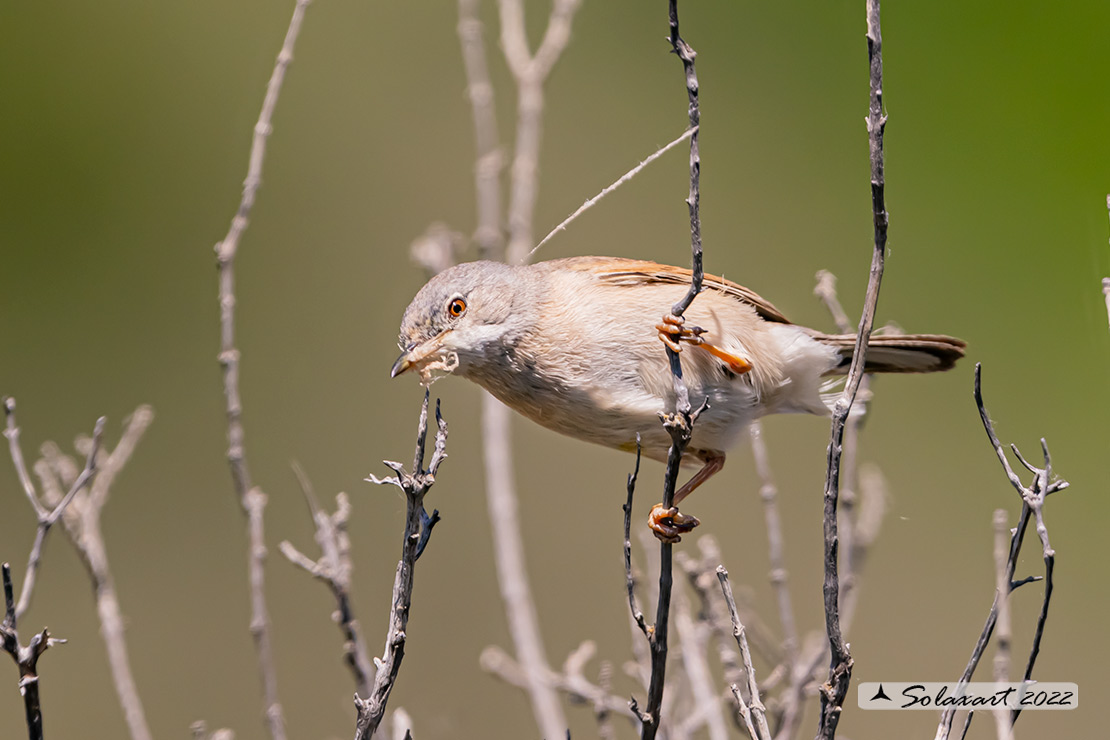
x=251, y=499
x=756, y=706
x=835, y=690
x=591, y=202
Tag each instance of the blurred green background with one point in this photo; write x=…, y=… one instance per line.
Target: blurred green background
x=124, y=134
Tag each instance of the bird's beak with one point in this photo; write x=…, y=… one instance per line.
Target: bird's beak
x=415, y=355
x=403, y=363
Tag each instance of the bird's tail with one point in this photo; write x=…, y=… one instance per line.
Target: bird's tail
x=897, y=353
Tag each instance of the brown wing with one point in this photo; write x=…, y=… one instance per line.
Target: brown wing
x=621, y=271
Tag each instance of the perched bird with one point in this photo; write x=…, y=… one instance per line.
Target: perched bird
x=573, y=344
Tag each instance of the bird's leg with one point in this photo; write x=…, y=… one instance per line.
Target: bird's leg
x=672, y=332
x=668, y=524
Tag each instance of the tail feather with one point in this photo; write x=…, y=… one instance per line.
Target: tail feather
x=898, y=353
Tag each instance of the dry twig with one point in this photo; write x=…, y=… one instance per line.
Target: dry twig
x=82, y=520
x=835, y=690
x=753, y=707
x=1005, y=634
x=46, y=516
x=591, y=202
x=418, y=528
x=1033, y=498
x=26, y=657
x=334, y=568
x=679, y=423
x=530, y=72
x=252, y=500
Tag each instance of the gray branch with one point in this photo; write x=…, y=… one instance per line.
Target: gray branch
x=251, y=498
x=333, y=568
x=82, y=521
x=1033, y=498
x=835, y=690
x=418, y=528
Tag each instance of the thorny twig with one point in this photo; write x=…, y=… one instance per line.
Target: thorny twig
x=333, y=568
x=26, y=657
x=1033, y=498
x=418, y=527
x=251, y=498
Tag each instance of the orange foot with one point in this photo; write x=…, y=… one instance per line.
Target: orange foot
x=668, y=524
x=672, y=333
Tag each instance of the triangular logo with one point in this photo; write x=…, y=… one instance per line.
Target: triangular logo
x=880, y=694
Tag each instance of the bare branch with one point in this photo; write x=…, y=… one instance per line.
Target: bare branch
x=418, y=526
x=591, y=202
x=630, y=581
x=1033, y=498
x=826, y=291
x=530, y=74
x=46, y=516
x=1002, y=593
x=694, y=635
x=571, y=681
x=679, y=423
x=82, y=522
x=251, y=499
x=25, y=657
x=768, y=493
x=835, y=690
x=11, y=431
x=756, y=706
x=334, y=570
x=487, y=167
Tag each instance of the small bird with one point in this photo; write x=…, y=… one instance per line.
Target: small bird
x=572, y=344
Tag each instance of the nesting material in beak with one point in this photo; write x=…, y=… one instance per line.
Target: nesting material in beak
x=426, y=358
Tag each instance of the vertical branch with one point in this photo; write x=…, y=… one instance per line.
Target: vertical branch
x=530, y=72
x=1002, y=594
x=835, y=690
x=768, y=492
x=418, y=527
x=512, y=574
x=25, y=657
x=679, y=423
x=251, y=499
x=488, y=157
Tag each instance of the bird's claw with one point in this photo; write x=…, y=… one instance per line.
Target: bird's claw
x=668, y=524
x=672, y=332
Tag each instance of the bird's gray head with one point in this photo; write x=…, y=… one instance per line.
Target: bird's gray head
x=458, y=317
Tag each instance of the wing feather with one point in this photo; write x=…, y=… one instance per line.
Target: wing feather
x=621, y=271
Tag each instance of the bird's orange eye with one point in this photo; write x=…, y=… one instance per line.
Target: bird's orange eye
x=457, y=307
